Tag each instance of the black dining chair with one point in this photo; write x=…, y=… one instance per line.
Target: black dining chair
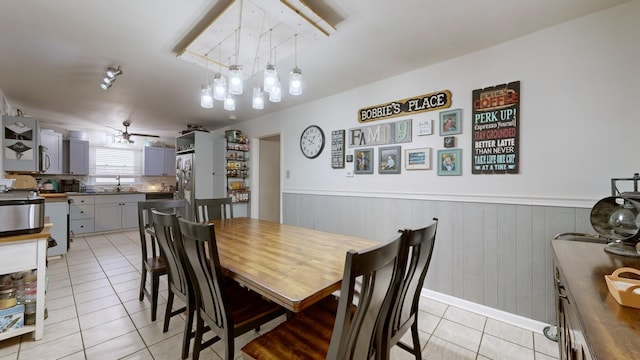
x=168, y=234
x=213, y=209
x=404, y=311
x=228, y=309
x=338, y=329
x=152, y=261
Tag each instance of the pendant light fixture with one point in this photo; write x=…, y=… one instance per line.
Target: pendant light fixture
x=295, y=76
x=229, y=100
x=235, y=74
x=219, y=82
x=258, y=98
x=275, y=95
x=270, y=72
x=206, y=98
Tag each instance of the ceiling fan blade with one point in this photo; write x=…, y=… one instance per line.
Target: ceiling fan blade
x=145, y=135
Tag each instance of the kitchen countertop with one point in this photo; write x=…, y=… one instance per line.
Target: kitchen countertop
x=62, y=196
x=43, y=234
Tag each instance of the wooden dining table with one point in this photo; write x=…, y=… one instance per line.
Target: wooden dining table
x=290, y=265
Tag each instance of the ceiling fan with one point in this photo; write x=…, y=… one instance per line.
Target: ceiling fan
x=126, y=135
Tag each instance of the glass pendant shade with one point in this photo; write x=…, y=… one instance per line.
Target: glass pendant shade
x=235, y=79
x=229, y=103
x=295, y=82
x=258, y=98
x=206, y=99
x=270, y=78
x=219, y=87
x=276, y=94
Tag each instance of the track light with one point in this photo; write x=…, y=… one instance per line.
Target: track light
x=111, y=74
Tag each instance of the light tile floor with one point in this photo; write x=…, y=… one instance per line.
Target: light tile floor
x=94, y=313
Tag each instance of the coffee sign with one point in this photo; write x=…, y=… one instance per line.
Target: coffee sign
x=429, y=102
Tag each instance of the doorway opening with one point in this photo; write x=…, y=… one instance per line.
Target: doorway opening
x=269, y=192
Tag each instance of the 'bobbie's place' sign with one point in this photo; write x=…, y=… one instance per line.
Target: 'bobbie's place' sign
x=428, y=102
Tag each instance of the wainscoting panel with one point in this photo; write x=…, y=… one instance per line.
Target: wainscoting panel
x=497, y=255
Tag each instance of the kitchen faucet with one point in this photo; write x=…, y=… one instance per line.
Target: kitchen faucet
x=118, y=187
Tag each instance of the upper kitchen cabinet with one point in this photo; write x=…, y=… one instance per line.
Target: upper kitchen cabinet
x=158, y=161
x=20, y=143
x=76, y=157
x=51, y=152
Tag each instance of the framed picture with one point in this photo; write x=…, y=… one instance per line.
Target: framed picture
x=425, y=127
x=364, y=161
x=417, y=159
x=389, y=161
x=451, y=122
x=449, y=141
x=337, y=149
x=449, y=162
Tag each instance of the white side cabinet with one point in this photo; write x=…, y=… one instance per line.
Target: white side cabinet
x=157, y=161
x=25, y=253
x=115, y=212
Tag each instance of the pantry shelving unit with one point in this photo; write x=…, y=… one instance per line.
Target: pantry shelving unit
x=237, y=152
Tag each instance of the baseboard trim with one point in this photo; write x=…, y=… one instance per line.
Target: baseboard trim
x=507, y=317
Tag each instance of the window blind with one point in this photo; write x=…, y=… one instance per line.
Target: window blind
x=115, y=161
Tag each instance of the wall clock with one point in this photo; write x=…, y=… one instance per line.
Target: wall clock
x=312, y=141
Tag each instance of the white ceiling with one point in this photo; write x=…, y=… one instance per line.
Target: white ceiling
x=53, y=54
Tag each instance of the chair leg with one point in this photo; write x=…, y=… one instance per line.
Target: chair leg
x=167, y=313
x=155, y=286
x=197, y=342
x=143, y=280
x=188, y=334
x=228, y=344
x=417, y=349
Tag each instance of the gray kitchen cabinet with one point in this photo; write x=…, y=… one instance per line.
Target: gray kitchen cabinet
x=157, y=161
x=76, y=157
x=115, y=212
x=57, y=212
x=51, y=143
x=81, y=214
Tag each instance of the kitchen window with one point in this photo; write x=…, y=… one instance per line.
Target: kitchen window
x=107, y=163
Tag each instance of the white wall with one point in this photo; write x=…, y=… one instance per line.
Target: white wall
x=579, y=122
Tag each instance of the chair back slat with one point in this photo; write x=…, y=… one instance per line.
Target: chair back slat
x=201, y=252
x=167, y=232
x=212, y=209
x=404, y=309
x=377, y=268
x=145, y=221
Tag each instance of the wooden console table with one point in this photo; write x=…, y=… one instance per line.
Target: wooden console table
x=591, y=323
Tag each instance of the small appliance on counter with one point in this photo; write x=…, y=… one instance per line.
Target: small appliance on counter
x=21, y=211
x=616, y=219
